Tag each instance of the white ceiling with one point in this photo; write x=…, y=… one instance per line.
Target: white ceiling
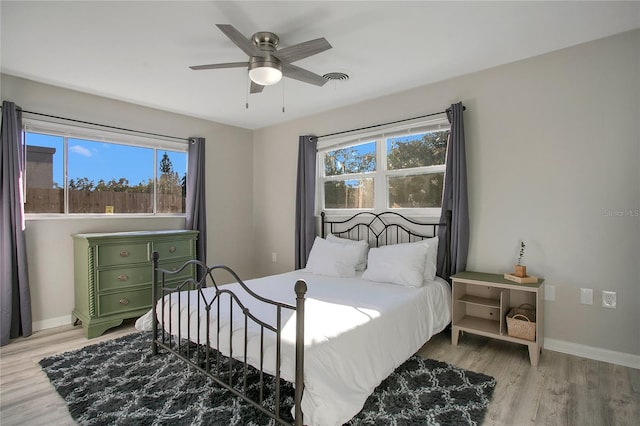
x=140, y=51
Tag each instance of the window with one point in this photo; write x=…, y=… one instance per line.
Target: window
x=348, y=183
x=81, y=171
x=402, y=168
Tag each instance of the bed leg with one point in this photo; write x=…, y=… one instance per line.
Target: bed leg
x=154, y=283
x=300, y=289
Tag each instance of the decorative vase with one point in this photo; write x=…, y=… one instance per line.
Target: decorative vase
x=521, y=271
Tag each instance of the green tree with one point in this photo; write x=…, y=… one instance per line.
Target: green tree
x=168, y=181
x=81, y=184
x=408, y=152
x=420, y=190
x=166, y=166
x=417, y=191
x=349, y=160
x=143, y=187
x=349, y=194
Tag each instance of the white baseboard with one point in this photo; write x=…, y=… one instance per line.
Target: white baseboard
x=590, y=352
x=51, y=323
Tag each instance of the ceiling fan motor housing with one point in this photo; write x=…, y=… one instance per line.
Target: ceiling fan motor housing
x=265, y=41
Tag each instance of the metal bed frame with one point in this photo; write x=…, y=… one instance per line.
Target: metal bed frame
x=377, y=228
x=387, y=228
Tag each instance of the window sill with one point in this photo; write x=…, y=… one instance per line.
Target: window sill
x=97, y=216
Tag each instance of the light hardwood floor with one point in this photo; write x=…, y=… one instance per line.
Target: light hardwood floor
x=562, y=390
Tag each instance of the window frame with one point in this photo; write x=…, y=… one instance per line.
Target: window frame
x=92, y=134
x=381, y=174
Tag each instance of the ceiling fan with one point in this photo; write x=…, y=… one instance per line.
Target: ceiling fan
x=266, y=64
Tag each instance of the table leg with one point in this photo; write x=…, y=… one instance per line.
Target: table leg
x=534, y=354
x=455, y=333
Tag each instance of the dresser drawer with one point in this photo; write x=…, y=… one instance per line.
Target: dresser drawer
x=130, y=300
x=122, y=254
x=174, y=249
x=124, y=277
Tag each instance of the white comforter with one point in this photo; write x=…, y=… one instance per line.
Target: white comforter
x=356, y=333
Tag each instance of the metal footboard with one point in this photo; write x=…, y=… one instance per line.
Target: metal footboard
x=202, y=356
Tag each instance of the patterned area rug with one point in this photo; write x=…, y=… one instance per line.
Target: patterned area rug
x=119, y=382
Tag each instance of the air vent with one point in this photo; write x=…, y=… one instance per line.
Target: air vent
x=333, y=76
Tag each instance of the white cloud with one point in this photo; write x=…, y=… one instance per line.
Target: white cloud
x=80, y=150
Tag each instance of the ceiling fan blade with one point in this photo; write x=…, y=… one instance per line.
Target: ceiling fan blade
x=303, y=75
x=256, y=88
x=240, y=40
x=218, y=66
x=302, y=50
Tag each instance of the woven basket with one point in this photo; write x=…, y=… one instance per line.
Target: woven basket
x=521, y=322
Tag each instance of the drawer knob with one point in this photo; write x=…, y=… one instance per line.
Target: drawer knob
x=172, y=249
x=124, y=253
x=123, y=277
x=124, y=301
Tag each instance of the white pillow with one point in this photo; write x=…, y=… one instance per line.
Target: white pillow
x=401, y=264
x=363, y=246
x=431, y=265
x=336, y=260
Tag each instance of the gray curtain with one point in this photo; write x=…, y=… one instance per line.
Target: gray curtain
x=305, y=199
x=455, y=200
x=196, y=197
x=15, y=298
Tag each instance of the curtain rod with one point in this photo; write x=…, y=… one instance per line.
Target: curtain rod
x=102, y=125
x=386, y=124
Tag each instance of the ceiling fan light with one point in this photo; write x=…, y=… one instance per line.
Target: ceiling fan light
x=265, y=76
x=265, y=71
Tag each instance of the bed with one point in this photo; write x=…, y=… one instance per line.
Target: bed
x=368, y=299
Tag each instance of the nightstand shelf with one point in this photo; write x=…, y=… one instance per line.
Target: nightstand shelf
x=481, y=326
x=481, y=302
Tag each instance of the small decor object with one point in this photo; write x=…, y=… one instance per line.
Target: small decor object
x=521, y=322
x=520, y=275
x=528, y=279
x=521, y=270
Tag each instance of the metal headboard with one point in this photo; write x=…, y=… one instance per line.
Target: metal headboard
x=387, y=228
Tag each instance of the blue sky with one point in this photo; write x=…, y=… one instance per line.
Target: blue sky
x=99, y=160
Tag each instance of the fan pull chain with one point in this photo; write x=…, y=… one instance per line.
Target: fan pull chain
x=248, y=89
x=282, y=95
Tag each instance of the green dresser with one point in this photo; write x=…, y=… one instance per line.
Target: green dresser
x=113, y=273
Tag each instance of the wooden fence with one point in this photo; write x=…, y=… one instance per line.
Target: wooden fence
x=51, y=200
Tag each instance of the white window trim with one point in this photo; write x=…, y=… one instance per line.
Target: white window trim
x=101, y=135
x=381, y=175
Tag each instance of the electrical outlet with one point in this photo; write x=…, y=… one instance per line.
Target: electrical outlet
x=549, y=292
x=586, y=296
x=609, y=299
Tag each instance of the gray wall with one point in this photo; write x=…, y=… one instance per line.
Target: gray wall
x=229, y=207
x=553, y=154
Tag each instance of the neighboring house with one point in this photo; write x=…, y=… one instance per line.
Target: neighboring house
x=40, y=166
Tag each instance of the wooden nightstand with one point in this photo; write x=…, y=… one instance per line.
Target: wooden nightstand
x=481, y=302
